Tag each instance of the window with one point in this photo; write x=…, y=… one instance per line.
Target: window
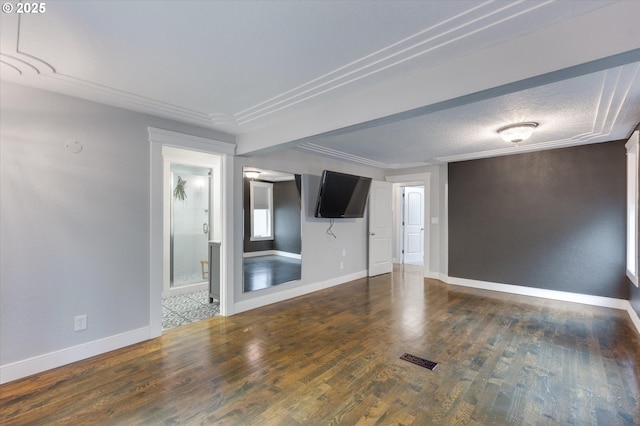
x=261, y=195
x=632, y=207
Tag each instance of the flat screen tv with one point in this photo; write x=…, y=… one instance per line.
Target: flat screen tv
x=342, y=195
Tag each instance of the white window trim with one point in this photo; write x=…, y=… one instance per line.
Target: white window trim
x=633, y=168
x=269, y=186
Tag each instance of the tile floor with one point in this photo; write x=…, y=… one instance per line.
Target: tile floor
x=187, y=308
x=192, y=278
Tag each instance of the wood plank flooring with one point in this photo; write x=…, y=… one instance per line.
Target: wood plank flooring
x=267, y=271
x=332, y=357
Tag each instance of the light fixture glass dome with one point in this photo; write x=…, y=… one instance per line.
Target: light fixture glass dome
x=518, y=132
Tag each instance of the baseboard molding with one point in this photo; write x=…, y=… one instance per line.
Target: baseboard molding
x=634, y=316
x=586, y=299
x=435, y=276
x=272, y=253
x=20, y=369
x=268, y=299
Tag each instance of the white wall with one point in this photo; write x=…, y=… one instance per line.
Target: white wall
x=74, y=226
x=321, y=253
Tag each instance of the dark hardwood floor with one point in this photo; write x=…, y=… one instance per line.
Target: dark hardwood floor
x=267, y=271
x=332, y=357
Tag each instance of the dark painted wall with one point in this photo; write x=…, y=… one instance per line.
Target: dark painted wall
x=249, y=245
x=635, y=291
x=635, y=298
x=286, y=219
x=552, y=219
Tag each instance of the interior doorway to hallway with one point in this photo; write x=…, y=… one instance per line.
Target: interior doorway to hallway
x=412, y=243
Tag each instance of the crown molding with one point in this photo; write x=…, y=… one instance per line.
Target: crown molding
x=475, y=19
x=343, y=156
x=478, y=18
x=22, y=64
x=614, y=89
x=317, y=149
x=613, y=92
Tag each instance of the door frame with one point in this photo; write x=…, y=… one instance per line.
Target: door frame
x=188, y=145
x=418, y=179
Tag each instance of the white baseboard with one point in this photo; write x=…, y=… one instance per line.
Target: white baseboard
x=272, y=253
x=435, y=275
x=40, y=363
x=586, y=299
x=634, y=316
x=268, y=299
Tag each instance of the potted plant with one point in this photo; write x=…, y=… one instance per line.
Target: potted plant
x=178, y=192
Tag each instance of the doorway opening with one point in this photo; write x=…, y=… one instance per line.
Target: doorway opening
x=169, y=147
x=190, y=219
x=409, y=241
x=192, y=222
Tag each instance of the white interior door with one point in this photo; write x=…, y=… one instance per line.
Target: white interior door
x=413, y=225
x=380, y=225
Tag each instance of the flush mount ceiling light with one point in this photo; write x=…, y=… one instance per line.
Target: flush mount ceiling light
x=518, y=132
x=252, y=174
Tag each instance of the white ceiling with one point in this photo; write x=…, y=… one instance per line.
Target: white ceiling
x=390, y=84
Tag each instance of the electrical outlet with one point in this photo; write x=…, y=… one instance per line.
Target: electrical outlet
x=341, y=265
x=80, y=322
x=344, y=252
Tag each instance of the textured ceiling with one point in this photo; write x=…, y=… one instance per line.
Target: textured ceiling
x=587, y=109
x=386, y=83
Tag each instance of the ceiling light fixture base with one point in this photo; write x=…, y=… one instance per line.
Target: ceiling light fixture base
x=517, y=132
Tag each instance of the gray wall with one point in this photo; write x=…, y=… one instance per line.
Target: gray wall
x=321, y=253
x=74, y=226
x=552, y=219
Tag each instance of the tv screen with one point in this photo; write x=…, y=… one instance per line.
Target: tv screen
x=342, y=195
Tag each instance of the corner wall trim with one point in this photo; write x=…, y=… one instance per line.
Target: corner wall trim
x=20, y=369
x=257, y=302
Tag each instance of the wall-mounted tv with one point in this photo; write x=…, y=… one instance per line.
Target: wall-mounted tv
x=342, y=195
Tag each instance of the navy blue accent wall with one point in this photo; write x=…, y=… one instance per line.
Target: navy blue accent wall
x=552, y=219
